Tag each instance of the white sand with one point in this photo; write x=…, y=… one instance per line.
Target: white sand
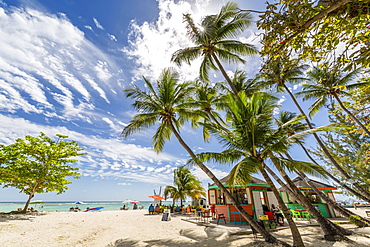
x=135, y=228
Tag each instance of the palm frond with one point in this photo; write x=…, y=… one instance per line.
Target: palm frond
x=186, y=55
x=139, y=123
x=206, y=64
x=303, y=166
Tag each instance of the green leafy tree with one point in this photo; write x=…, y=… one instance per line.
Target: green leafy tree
x=38, y=164
x=169, y=105
x=214, y=41
x=317, y=31
x=185, y=184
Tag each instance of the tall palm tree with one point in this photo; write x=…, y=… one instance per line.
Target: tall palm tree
x=185, y=184
x=328, y=83
x=214, y=41
x=168, y=105
x=279, y=74
x=249, y=142
x=290, y=129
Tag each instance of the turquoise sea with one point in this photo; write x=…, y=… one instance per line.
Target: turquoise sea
x=65, y=206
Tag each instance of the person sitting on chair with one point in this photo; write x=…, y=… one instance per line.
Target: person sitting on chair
x=151, y=209
x=157, y=209
x=277, y=213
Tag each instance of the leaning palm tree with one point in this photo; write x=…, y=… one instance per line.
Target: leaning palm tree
x=277, y=75
x=328, y=83
x=293, y=128
x=167, y=104
x=249, y=141
x=185, y=184
x=214, y=41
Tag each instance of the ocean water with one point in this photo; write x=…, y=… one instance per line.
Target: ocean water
x=65, y=206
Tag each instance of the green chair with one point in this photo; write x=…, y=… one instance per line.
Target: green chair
x=306, y=215
x=295, y=214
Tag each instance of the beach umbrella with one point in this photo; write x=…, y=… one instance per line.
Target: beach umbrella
x=78, y=202
x=127, y=201
x=133, y=202
x=157, y=197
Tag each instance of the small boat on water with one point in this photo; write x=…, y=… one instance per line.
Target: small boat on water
x=93, y=209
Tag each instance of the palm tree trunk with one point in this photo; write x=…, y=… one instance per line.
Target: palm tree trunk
x=214, y=119
x=351, y=114
x=231, y=84
x=267, y=236
x=355, y=193
x=331, y=233
x=345, y=212
x=326, y=151
x=297, y=239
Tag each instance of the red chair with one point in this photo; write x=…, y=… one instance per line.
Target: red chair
x=270, y=215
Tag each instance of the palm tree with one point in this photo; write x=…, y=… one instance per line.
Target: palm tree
x=185, y=184
x=213, y=41
x=242, y=83
x=278, y=74
x=209, y=99
x=328, y=83
x=168, y=105
x=249, y=141
x=292, y=128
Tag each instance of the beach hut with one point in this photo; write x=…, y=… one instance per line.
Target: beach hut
x=255, y=197
x=314, y=198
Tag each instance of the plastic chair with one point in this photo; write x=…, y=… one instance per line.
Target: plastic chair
x=205, y=216
x=306, y=215
x=220, y=217
x=295, y=214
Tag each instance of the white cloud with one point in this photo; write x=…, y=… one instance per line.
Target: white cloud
x=281, y=100
x=46, y=61
x=152, y=44
x=88, y=27
x=124, y=184
x=112, y=37
x=107, y=158
x=97, y=24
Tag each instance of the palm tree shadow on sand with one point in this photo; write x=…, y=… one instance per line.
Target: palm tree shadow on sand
x=209, y=237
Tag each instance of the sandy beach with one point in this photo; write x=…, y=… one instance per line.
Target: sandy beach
x=137, y=228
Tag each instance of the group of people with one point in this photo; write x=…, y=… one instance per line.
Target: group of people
x=74, y=209
x=153, y=209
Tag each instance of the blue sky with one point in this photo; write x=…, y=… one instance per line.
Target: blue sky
x=63, y=68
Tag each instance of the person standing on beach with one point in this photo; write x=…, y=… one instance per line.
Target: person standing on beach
x=213, y=211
